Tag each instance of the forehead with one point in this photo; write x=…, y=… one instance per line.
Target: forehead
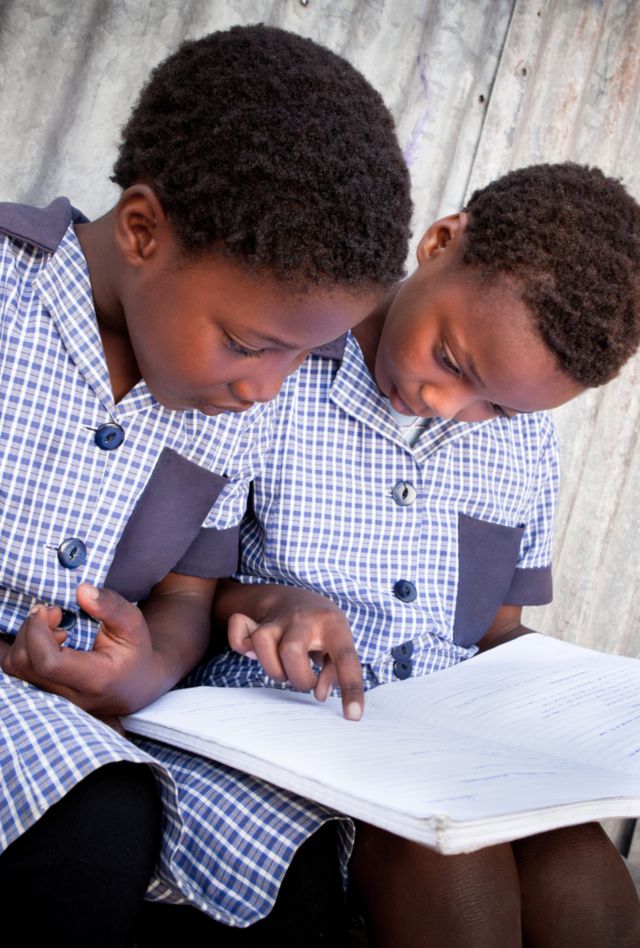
x=493, y=333
x=264, y=309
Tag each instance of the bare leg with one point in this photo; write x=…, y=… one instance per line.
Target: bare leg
x=576, y=891
x=413, y=897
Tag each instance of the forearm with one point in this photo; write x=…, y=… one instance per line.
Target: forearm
x=494, y=637
x=179, y=627
x=4, y=648
x=260, y=601
x=251, y=599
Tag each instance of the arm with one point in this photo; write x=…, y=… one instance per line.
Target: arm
x=282, y=627
x=507, y=625
x=138, y=654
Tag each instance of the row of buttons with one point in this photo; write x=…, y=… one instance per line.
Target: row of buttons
x=402, y=665
x=404, y=494
x=72, y=552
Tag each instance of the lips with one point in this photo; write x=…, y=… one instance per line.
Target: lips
x=398, y=404
x=220, y=409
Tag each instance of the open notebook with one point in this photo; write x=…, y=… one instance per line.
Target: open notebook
x=530, y=736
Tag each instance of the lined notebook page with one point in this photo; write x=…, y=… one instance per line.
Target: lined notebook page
x=534, y=724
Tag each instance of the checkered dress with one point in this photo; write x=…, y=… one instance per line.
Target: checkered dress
x=352, y=512
x=227, y=837
x=420, y=545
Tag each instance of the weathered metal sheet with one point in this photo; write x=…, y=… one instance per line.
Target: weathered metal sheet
x=568, y=88
x=477, y=87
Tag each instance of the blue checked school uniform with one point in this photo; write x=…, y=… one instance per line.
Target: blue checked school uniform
x=118, y=495
x=419, y=545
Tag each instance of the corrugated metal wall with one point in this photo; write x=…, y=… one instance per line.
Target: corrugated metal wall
x=477, y=87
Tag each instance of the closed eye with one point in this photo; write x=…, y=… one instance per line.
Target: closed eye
x=235, y=346
x=448, y=362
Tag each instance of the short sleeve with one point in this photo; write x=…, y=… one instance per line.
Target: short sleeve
x=532, y=583
x=214, y=552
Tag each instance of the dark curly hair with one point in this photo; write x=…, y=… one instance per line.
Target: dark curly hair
x=264, y=145
x=571, y=237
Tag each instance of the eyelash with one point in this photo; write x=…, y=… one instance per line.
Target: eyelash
x=448, y=364
x=241, y=350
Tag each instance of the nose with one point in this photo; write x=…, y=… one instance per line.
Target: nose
x=447, y=401
x=261, y=389
x=265, y=381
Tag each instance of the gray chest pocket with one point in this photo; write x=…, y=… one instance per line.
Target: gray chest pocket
x=163, y=525
x=487, y=557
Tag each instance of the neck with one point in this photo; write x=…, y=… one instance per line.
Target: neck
x=97, y=242
x=368, y=332
x=98, y=245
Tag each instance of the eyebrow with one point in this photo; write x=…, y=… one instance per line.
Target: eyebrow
x=468, y=359
x=474, y=371
x=259, y=339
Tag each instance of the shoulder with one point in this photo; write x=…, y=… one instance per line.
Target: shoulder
x=534, y=433
x=39, y=227
x=29, y=236
x=233, y=442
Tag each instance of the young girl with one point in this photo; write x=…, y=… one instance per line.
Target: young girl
x=264, y=209
x=416, y=486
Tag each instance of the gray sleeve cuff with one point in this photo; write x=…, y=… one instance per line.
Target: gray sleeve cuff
x=212, y=555
x=530, y=587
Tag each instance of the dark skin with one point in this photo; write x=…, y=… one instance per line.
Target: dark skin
x=204, y=333
x=446, y=346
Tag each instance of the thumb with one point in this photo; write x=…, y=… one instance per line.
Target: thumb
x=118, y=616
x=239, y=631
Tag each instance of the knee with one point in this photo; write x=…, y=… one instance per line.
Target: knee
x=470, y=879
x=572, y=856
x=576, y=881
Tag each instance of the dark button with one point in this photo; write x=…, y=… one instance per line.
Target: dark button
x=109, y=436
x=404, y=493
x=402, y=652
x=67, y=620
x=402, y=670
x=72, y=553
x=404, y=590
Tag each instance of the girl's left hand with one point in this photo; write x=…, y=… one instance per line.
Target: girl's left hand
x=105, y=681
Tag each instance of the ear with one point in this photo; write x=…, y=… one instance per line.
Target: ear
x=140, y=224
x=442, y=235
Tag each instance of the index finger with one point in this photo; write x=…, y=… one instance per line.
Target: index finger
x=348, y=671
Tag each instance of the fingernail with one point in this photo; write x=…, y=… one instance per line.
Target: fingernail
x=94, y=592
x=354, y=711
x=251, y=655
x=33, y=609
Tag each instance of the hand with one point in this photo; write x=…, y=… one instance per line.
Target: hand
x=297, y=626
x=112, y=679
